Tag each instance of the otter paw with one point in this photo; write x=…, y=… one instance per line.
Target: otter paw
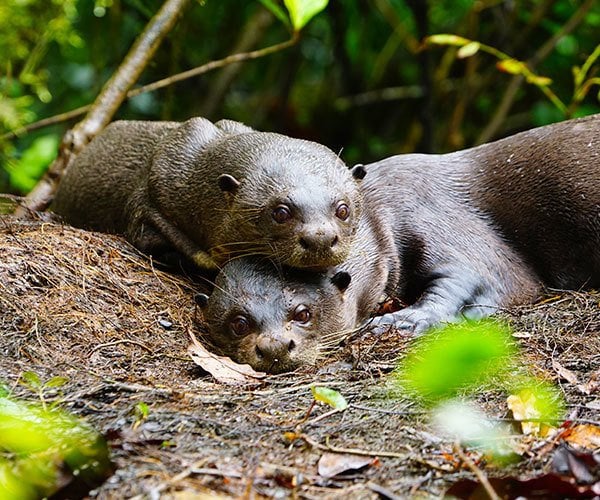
x=406, y=321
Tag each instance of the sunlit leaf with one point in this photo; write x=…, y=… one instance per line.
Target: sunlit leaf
x=468, y=50
x=329, y=396
x=511, y=66
x=302, y=11
x=537, y=405
x=447, y=39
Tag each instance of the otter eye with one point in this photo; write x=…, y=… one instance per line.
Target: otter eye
x=281, y=214
x=240, y=325
x=301, y=314
x=342, y=211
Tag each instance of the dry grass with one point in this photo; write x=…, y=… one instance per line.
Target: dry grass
x=89, y=307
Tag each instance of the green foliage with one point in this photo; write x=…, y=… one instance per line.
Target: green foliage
x=302, y=11
x=355, y=80
x=38, y=446
x=450, y=366
x=25, y=172
x=457, y=358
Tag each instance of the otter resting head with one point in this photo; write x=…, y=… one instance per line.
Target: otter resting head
x=298, y=199
x=293, y=323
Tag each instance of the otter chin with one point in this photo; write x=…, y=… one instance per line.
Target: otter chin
x=272, y=318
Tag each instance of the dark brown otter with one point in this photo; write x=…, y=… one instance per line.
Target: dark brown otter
x=213, y=192
x=471, y=232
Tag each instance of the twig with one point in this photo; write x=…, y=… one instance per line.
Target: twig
x=477, y=471
x=122, y=341
x=350, y=451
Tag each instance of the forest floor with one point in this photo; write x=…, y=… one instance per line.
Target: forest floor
x=90, y=308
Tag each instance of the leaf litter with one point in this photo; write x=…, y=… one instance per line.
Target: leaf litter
x=89, y=308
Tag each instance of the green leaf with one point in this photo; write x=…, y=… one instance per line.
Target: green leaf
x=32, y=379
x=330, y=397
x=456, y=358
x=302, y=11
x=540, y=81
x=142, y=410
x=468, y=50
x=511, y=66
x=447, y=39
x=276, y=10
x=56, y=382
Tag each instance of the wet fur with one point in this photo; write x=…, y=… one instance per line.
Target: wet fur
x=161, y=185
x=460, y=234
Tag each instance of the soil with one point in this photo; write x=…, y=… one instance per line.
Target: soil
x=89, y=307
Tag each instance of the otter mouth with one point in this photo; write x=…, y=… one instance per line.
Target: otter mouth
x=314, y=261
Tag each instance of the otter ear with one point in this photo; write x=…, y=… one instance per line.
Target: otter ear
x=201, y=300
x=358, y=171
x=228, y=183
x=341, y=280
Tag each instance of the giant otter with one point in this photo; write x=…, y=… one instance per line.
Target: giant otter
x=213, y=192
x=471, y=231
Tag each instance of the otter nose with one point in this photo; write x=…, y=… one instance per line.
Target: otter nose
x=318, y=240
x=274, y=350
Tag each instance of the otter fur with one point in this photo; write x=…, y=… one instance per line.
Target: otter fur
x=213, y=192
x=467, y=233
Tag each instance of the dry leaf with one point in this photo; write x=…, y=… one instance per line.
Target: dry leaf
x=564, y=373
x=332, y=464
x=523, y=407
x=222, y=368
x=584, y=436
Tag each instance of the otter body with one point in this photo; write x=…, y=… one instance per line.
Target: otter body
x=471, y=232
x=214, y=192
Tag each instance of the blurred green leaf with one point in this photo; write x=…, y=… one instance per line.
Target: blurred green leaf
x=456, y=358
x=46, y=444
x=468, y=50
x=25, y=173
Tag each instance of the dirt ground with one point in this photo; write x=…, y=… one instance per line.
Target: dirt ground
x=90, y=308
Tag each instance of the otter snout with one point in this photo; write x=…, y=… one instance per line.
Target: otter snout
x=320, y=245
x=282, y=351
x=274, y=351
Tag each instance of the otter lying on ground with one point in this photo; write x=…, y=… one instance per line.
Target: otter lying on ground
x=459, y=234
x=213, y=192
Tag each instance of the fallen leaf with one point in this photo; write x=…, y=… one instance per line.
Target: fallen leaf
x=332, y=464
x=580, y=466
x=526, y=407
x=564, y=373
x=584, y=436
x=222, y=368
x=329, y=396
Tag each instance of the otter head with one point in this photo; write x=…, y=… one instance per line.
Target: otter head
x=292, y=200
x=275, y=320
